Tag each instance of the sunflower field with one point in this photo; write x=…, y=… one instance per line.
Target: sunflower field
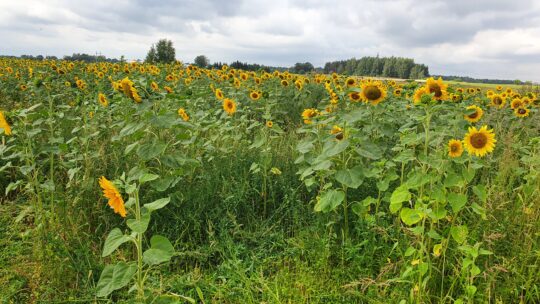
x=138, y=183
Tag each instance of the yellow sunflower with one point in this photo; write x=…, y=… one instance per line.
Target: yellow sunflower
x=499, y=88
x=219, y=94
x=4, y=124
x=479, y=142
x=154, y=86
x=350, y=82
x=111, y=193
x=497, y=101
x=307, y=114
x=229, y=106
x=397, y=92
x=255, y=95
x=129, y=89
x=419, y=93
x=284, y=83
x=476, y=115
x=455, y=148
x=168, y=89
x=437, y=88
x=521, y=112
x=182, y=113
x=517, y=103
x=354, y=96
x=103, y=100
x=373, y=92
x=269, y=124
x=335, y=130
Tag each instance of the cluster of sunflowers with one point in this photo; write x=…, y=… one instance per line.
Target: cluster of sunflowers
x=92, y=79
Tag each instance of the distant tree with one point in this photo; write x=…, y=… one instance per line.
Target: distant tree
x=201, y=61
x=162, y=52
x=303, y=68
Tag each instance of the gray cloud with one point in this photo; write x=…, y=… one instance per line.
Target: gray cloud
x=481, y=38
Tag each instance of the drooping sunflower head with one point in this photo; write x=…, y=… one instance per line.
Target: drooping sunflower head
x=168, y=89
x=479, y=142
x=103, y=100
x=526, y=100
x=308, y=114
x=474, y=113
x=437, y=88
x=4, y=124
x=182, y=113
x=335, y=130
x=455, y=148
x=229, y=106
x=419, y=95
x=115, y=198
x=373, y=92
x=219, y=94
x=521, y=112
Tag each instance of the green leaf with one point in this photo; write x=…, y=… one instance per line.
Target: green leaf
x=481, y=193
x=147, y=177
x=457, y=201
x=411, y=216
x=459, y=233
x=400, y=195
x=141, y=225
x=329, y=200
x=351, y=178
x=332, y=148
x=158, y=204
x=113, y=241
x=369, y=150
x=438, y=213
x=151, y=150
x=114, y=277
x=161, y=251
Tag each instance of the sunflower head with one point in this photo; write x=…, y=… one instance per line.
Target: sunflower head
x=269, y=124
x=4, y=124
x=229, y=106
x=455, y=148
x=517, y=103
x=437, y=88
x=111, y=193
x=103, y=100
x=497, y=101
x=354, y=96
x=182, y=113
x=373, y=92
x=421, y=94
x=521, y=112
x=474, y=113
x=219, y=94
x=255, y=95
x=284, y=83
x=479, y=142
x=350, y=82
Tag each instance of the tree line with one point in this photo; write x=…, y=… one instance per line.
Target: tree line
x=395, y=67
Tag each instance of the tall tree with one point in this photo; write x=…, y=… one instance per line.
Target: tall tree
x=162, y=52
x=201, y=61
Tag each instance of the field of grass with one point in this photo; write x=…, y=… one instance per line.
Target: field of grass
x=135, y=183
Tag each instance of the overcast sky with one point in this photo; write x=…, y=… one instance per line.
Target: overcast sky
x=478, y=38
